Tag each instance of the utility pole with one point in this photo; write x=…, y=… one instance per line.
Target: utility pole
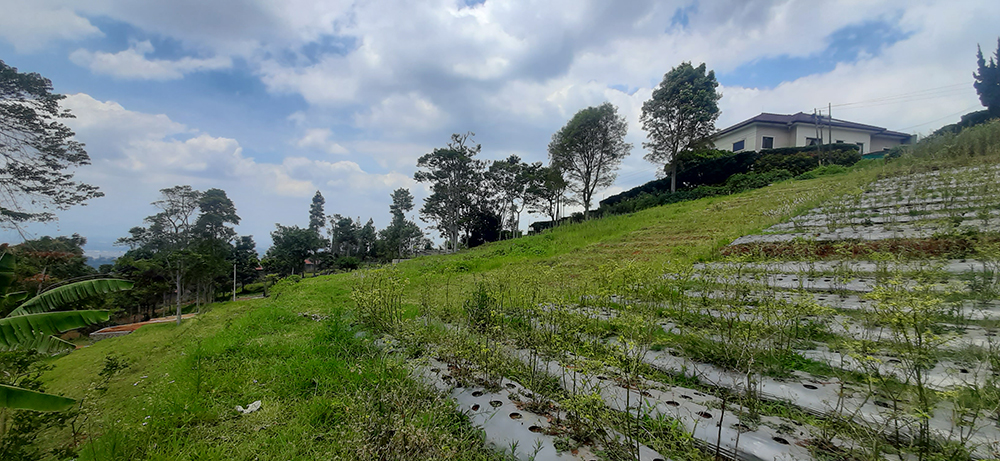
x=829, y=114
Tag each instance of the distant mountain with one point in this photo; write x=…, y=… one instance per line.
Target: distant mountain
x=96, y=262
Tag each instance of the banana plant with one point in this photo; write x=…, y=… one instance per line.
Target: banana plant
x=32, y=326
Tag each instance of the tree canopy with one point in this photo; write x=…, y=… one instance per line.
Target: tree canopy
x=589, y=149
x=680, y=115
x=987, y=82
x=38, y=151
x=454, y=174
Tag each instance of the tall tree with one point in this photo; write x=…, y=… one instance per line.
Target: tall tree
x=213, y=243
x=402, y=234
x=589, y=149
x=510, y=180
x=680, y=115
x=366, y=239
x=245, y=257
x=987, y=82
x=171, y=232
x=317, y=217
x=343, y=236
x=546, y=193
x=290, y=247
x=37, y=150
x=453, y=174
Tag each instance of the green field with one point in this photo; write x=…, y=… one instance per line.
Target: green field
x=331, y=388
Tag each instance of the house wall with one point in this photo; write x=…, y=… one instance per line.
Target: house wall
x=753, y=135
x=883, y=142
x=782, y=136
x=747, y=133
x=803, y=131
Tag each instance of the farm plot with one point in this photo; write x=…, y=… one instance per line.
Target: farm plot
x=861, y=355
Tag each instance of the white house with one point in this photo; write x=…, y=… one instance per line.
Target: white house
x=769, y=131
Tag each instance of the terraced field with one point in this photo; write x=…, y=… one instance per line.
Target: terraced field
x=842, y=348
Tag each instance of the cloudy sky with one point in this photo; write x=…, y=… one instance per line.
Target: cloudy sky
x=272, y=100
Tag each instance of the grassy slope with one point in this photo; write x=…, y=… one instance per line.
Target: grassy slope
x=329, y=394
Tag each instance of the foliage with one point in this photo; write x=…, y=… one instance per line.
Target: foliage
x=987, y=82
x=680, y=115
x=71, y=293
x=589, y=149
x=37, y=150
x=20, y=428
x=378, y=295
x=454, y=176
x=511, y=179
x=317, y=217
x=402, y=235
x=546, y=194
x=290, y=248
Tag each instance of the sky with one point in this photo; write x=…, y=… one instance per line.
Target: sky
x=272, y=100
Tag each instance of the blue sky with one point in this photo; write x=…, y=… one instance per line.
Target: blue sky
x=272, y=100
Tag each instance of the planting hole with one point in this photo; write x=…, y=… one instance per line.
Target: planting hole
x=894, y=361
x=705, y=414
x=780, y=440
x=879, y=403
x=495, y=403
x=810, y=387
x=741, y=427
x=435, y=370
x=673, y=403
x=646, y=394
x=963, y=370
x=699, y=394
x=535, y=429
x=511, y=385
x=475, y=407
x=602, y=378
x=685, y=396
x=515, y=415
x=477, y=394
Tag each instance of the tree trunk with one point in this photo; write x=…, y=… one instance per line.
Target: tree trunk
x=673, y=176
x=177, y=277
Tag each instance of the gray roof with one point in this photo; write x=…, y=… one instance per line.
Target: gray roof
x=789, y=120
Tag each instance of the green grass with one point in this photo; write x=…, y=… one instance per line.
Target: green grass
x=328, y=393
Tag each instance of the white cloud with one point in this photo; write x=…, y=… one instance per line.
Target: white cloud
x=132, y=63
x=401, y=114
x=31, y=25
x=319, y=138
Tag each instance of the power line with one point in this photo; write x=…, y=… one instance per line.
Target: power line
x=924, y=92
x=942, y=118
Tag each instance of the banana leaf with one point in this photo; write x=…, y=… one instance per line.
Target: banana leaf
x=68, y=294
x=25, y=329
x=24, y=399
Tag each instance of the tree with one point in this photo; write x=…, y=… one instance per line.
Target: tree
x=987, y=82
x=37, y=150
x=366, y=239
x=244, y=255
x=402, y=234
x=170, y=231
x=546, y=192
x=680, y=115
x=453, y=174
x=290, y=247
x=510, y=179
x=212, y=245
x=589, y=149
x=317, y=217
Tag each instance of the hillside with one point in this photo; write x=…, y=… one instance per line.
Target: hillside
x=541, y=316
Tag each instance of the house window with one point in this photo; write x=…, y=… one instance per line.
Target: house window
x=767, y=143
x=738, y=145
x=813, y=141
x=861, y=147
x=840, y=141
